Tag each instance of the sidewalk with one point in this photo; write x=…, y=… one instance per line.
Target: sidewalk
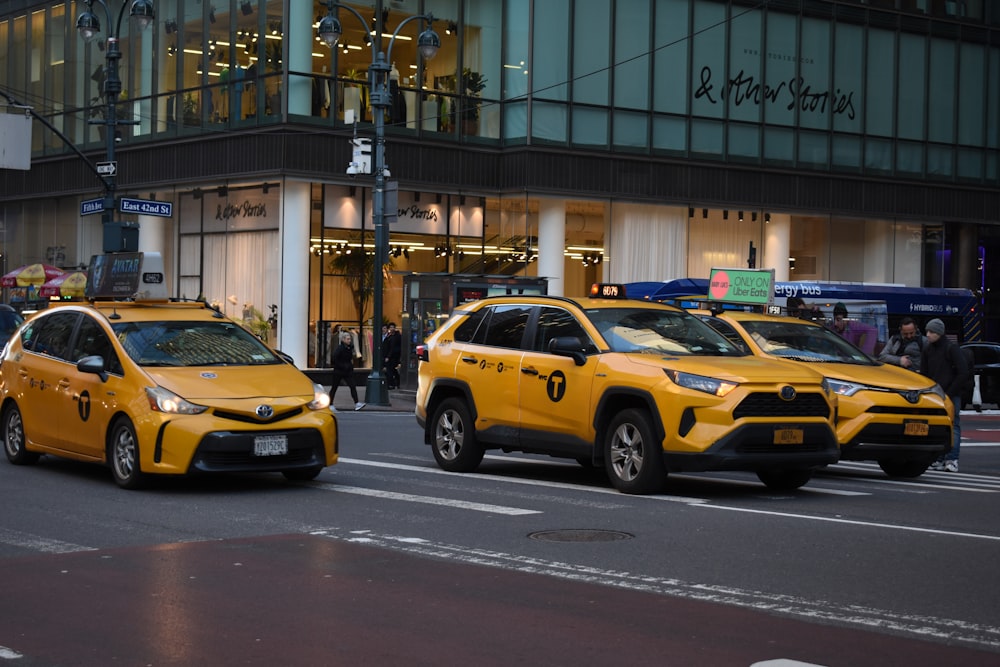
x=400, y=400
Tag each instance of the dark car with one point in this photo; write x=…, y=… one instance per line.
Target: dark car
x=10, y=320
x=987, y=367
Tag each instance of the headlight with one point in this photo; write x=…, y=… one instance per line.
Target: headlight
x=321, y=399
x=936, y=389
x=161, y=400
x=700, y=383
x=845, y=388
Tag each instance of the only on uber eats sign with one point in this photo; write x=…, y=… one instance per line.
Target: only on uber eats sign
x=742, y=286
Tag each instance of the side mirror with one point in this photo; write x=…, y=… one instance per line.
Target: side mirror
x=569, y=346
x=93, y=364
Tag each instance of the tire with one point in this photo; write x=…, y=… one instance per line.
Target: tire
x=453, y=438
x=302, y=474
x=13, y=438
x=785, y=479
x=633, y=458
x=123, y=455
x=905, y=468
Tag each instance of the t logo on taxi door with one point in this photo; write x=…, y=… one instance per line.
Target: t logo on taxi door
x=556, y=386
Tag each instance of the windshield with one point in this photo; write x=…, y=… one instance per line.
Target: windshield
x=192, y=344
x=804, y=342
x=655, y=331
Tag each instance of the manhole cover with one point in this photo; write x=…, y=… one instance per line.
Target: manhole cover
x=580, y=535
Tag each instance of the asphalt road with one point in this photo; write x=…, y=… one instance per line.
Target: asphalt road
x=385, y=559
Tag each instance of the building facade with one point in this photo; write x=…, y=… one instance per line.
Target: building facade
x=579, y=140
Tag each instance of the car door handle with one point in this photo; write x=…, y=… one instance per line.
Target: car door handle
x=470, y=360
x=529, y=371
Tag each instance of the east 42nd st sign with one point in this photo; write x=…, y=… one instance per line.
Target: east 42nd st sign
x=146, y=207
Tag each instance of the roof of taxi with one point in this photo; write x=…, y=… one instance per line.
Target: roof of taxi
x=140, y=311
x=585, y=303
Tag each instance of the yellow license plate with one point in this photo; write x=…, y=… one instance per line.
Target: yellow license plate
x=788, y=436
x=915, y=428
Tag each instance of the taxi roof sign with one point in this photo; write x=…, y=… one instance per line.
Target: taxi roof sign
x=127, y=275
x=743, y=286
x=607, y=291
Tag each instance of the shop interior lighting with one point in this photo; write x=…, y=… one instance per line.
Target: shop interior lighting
x=741, y=216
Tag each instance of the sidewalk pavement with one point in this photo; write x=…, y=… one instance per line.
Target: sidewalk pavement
x=400, y=400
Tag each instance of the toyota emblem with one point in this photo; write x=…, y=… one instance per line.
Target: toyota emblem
x=787, y=393
x=265, y=411
x=911, y=396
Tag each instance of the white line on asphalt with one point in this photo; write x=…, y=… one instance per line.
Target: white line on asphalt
x=854, y=522
x=427, y=500
x=37, y=543
x=513, y=480
x=883, y=620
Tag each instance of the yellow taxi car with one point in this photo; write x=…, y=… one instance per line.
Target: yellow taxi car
x=159, y=387
x=886, y=413
x=641, y=389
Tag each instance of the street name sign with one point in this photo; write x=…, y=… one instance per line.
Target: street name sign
x=163, y=209
x=90, y=206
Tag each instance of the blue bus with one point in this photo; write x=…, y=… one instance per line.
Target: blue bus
x=959, y=309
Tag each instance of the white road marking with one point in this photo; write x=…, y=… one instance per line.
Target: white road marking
x=37, y=543
x=882, y=620
x=513, y=480
x=9, y=653
x=427, y=500
x=855, y=522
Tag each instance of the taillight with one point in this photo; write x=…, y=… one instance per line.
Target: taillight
x=422, y=352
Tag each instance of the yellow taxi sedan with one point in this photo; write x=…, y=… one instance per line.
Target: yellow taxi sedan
x=159, y=387
x=886, y=413
x=640, y=389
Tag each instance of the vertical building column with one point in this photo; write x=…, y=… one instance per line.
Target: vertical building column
x=551, y=243
x=300, y=39
x=777, y=238
x=293, y=318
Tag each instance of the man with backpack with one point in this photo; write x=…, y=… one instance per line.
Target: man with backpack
x=945, y=363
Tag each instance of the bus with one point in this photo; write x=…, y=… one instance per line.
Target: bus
x=958, y=308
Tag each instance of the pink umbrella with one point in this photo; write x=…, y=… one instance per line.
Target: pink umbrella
x=73, y=283
x=31, y=274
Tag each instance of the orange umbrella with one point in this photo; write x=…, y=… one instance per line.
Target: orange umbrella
x=68, y=284
x=31, y=274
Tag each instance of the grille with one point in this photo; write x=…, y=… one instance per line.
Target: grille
x=245, y=460
x=931, y=412
x=771, y=405
x=253, y=419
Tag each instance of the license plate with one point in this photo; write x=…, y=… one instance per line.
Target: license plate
x=788, y=436
x=270, y=445
x=915, y=428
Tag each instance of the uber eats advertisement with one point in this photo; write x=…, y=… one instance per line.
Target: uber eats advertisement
x=747, y=286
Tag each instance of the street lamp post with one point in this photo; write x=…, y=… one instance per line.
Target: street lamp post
x=428, y=43
x=89, y=26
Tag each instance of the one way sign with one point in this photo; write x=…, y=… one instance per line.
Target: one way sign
x=107, y=168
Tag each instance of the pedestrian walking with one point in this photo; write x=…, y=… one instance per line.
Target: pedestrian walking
x=944, y=362
x=343, y=368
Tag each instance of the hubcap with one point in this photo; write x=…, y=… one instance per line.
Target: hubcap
x=124, y=454
x=450, y=435
x=15, y=434
x=626, y=452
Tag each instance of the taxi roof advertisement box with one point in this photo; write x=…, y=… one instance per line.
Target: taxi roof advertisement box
x=15, y=141
x=746, y=286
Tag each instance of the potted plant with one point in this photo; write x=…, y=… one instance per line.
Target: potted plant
x=190, y=109
x=473, y=84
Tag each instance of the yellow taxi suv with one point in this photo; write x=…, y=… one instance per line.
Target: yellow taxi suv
x=642, y=389
x=886, y=413
x=159, y=387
